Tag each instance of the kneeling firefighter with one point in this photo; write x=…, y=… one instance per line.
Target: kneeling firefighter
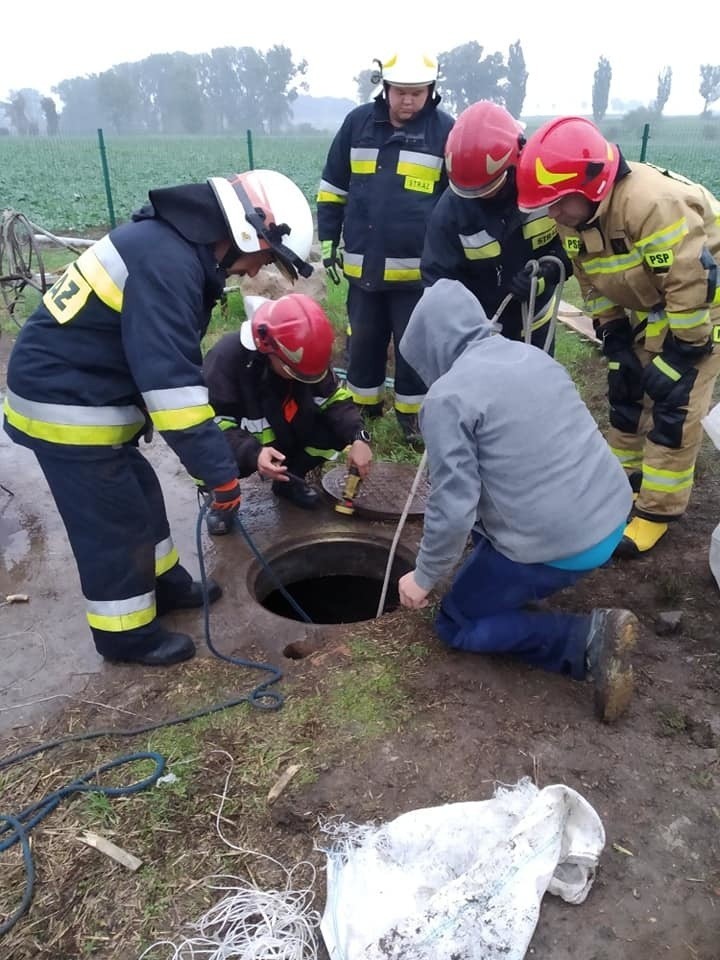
x=114, y=350
x=279, y=403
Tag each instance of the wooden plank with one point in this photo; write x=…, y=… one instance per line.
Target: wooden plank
x=111, y=850
x=282, y=782
x=578, y=321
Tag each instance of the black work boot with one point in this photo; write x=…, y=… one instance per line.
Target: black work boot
x=168, y=648
x=187, y=597
x=608, y=647
x=218, y=522
x=372, y=411
x=410, y=428
x=300, y=494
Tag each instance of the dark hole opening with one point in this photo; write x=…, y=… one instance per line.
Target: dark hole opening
x=338, y=581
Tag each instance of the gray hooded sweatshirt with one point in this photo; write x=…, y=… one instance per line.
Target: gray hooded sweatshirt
x=512, y=449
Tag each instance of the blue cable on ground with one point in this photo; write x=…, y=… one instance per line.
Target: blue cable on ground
x=16, y=828
x=19, y=825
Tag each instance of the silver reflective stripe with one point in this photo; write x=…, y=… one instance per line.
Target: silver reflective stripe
x=254, y=426
x=72, y=415
x=420, y=159
x=319, y=401
x=402, y=263
x=176, y=398
x=353, y=259
x=111, y=260
x=121, y=608
x=410, y=401
x=367, y=391
x=163, y=548
x=327, y=187
x=480, y=239
x=363, y=153
x=535, y=215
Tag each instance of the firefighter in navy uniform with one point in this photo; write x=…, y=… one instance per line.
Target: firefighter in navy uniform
x=383, y=175
x=645, y=247
x=114, y=348
x=279, y=403
x=476, y=233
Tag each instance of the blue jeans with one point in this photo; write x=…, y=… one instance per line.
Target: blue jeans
x=482, y=612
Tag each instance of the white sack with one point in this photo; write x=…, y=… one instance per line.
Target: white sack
x=460, y=880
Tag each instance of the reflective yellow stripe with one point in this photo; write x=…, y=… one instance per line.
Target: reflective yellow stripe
x=418, y=170
x=71, y=434
x=686, y=321
x=665, y=237
x=542, y=225
x=630, y=459
x=166, y=555
x=325, y=197
x=100, y=280
x=401, y=275
x=352, y=269
x=599, y=304
x=408, y=404
x=670, y=372
x=614, y=264
x=363, y=166
x=318, y=452
x=483, y=253
x=667, y=481
x=367, y=395
x=116, y=616
x=181, y=419
x=340, y=394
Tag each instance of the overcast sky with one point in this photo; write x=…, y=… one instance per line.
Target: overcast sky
x=46, y=42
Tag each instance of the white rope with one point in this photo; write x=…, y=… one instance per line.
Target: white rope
x=248, y=922
x=398, y=531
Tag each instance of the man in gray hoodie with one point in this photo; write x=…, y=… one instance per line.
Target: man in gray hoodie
x=515, y=459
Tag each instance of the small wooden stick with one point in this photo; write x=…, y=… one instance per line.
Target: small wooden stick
x=111, y=850
x=282, y=782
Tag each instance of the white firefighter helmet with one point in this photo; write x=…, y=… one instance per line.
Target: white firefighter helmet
x=410, y=69
x=265, y=210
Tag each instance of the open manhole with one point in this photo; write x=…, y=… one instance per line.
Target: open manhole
x=334, y=580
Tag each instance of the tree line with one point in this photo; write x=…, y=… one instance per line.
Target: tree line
x=232, y=89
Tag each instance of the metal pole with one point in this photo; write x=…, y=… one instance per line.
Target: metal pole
x=251, y=159
x=106, y=178
x=643, y=146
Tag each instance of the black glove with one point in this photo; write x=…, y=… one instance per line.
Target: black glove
x=332, y=260
x=520, y=285
x=672, y=365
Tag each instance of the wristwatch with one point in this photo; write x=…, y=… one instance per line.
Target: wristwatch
x=362, y=435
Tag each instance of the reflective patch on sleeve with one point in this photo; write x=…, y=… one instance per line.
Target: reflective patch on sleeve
x=571, y=246
x=67, y=296
x=659, y=260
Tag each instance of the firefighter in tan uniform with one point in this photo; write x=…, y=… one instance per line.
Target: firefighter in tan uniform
x=645, y=247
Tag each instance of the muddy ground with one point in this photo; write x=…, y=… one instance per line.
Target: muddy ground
x=382, y=719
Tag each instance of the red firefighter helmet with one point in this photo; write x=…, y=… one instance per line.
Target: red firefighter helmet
x=295, y=329
x=484, y=143
x=566, y=155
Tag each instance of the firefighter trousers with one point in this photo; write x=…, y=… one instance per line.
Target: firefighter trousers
x=114, y=514
x=483, y=612
x=661, y=439
x=374, y=319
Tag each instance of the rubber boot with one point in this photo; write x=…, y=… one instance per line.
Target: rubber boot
x=188, y=597
x=410, y=428
x=639, y=537
x=371, y=411
x=610, y=641
x=300, y=494
x=168, y=648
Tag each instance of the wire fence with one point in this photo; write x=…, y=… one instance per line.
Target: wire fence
x=59, y=182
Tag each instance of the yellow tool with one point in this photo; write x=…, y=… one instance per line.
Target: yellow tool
x=352, y=483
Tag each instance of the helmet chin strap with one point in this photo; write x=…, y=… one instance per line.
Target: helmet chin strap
x=233, y=254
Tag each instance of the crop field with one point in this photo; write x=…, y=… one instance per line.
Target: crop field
x=58, y=182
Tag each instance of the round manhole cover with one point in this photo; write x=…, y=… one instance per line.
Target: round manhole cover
x=384, y=494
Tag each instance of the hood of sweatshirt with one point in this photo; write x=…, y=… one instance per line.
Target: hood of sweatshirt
x=446, y=321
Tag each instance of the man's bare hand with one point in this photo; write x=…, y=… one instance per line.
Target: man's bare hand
x=270, y=464
x=411, y=595
x=360, y=456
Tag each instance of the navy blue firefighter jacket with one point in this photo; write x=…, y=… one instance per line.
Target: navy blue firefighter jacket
x=378, y=188
x=116, y=341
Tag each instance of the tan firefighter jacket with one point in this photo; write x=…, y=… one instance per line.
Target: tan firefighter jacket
x=653, y=250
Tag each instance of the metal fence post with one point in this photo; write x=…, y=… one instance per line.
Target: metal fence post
x=643, y=145
x=106, y=177
x=251, y=159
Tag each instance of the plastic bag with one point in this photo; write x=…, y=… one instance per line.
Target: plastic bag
x=461, y=880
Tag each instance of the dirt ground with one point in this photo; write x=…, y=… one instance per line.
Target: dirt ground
x=416, y=726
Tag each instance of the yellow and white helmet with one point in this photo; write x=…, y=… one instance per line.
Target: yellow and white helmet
x=410, y=69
